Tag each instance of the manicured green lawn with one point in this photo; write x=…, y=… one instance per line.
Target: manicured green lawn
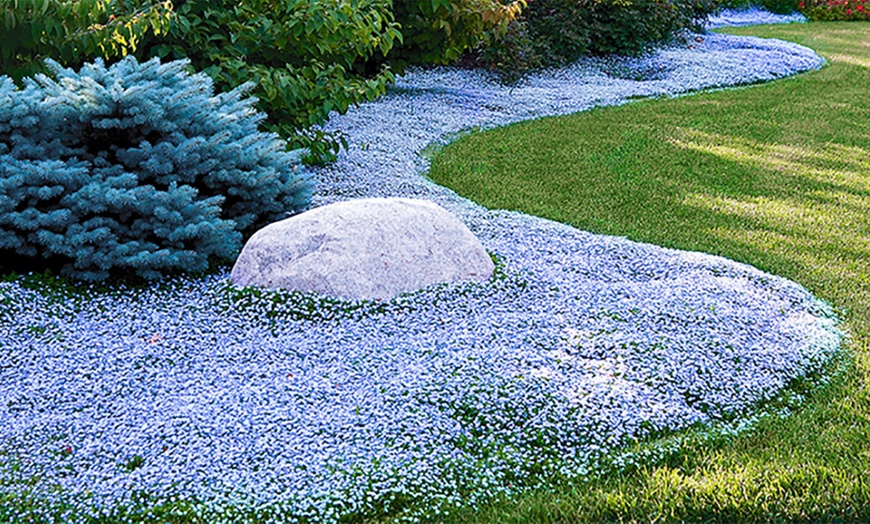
x=775, y=175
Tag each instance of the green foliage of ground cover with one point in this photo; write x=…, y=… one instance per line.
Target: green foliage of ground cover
x=775, y=175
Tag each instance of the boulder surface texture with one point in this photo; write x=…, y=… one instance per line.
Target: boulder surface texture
x=374, y=248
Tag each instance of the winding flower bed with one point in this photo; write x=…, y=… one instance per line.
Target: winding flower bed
x=234, y=404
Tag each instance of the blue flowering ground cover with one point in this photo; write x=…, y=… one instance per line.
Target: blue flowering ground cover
x=233, y=405
x=751, y=16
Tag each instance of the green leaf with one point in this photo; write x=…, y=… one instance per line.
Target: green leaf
x=9, y=19
x=36, y=30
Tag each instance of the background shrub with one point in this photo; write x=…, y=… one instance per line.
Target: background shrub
x=440, y=31
x=74, y=31
x=513, y=54
x=567, y=29
x=737, y=4
x=782, y=7
x=306, y=57
x=560, y=31
x=136, y=168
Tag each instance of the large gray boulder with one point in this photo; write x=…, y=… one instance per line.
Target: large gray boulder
x=372, y=248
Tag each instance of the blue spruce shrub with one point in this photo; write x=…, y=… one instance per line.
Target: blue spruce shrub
x=137, y=168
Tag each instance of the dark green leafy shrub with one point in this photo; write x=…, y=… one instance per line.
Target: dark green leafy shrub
x=560, y=31
x=306, y=57
x=74, y=31
x=440, y=31
x=136, y=168
x=570, y=28
x=782, y=7
x=513, y=54
x=737, y=4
